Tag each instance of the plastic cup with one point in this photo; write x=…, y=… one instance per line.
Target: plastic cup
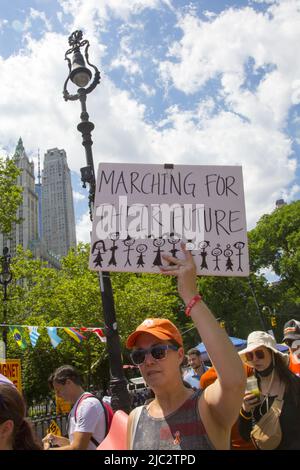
x=252, y=386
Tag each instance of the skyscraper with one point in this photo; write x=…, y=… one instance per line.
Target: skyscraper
x=26, y=231
x=58, y=220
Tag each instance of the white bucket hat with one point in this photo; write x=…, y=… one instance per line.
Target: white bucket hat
x=261, y=338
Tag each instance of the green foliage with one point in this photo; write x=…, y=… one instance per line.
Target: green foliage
x=275, y=243
x=10, y=194
x=42, y=296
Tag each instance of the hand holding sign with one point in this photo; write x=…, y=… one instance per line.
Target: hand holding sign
x=185, y=270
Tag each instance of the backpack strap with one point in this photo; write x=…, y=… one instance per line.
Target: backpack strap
x=90, y=395
x=136, y=413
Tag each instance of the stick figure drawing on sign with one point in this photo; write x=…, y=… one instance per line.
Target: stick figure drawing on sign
x=158, y=243
x=141, y=248
x=114, y=237
x=228, y=253
x=239, y=246
x=217, y=253
x=173, y=241
x=128, y=243
x=203, y=245
x=98, y=246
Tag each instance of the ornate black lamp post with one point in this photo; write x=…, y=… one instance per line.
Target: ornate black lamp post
x=82, y=76
x=5, y=279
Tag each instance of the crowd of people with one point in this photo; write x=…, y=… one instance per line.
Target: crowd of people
x=195, y=409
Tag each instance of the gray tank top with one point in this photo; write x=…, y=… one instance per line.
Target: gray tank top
x=181, y=430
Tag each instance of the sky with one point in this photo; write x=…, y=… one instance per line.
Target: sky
x=184, y=82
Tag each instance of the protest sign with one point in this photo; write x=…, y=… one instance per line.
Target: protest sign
x=11, y=368
x=54, y=428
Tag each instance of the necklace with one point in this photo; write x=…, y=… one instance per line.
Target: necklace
x=266, y=399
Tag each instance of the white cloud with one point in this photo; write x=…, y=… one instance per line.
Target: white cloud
x=78, y=196
x=3, y=23
x=83, y=229
x=35, y=14
x=222, y=47
x=126, y=57
x=94, y=13
x=148, y=90
x=18, y=26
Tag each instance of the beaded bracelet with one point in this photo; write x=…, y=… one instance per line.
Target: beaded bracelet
x=245, y=417
x=191, y=304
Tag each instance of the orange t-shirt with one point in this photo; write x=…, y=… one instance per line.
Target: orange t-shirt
x=237, y=442
x=294, y=366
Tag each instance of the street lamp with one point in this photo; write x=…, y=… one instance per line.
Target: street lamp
x=87, y=78
x=5, y=279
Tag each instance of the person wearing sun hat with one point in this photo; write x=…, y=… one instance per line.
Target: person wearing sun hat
x=179, y=418
x=260, y=338
x=291, y=331
x=274, y=380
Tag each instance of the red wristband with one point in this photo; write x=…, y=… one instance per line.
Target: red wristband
x=191, y=304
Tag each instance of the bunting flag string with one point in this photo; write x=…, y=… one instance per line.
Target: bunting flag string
x=34, y=334
x=98, y=332
x=75, y=334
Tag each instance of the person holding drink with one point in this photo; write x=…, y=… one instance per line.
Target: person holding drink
x=273, y=391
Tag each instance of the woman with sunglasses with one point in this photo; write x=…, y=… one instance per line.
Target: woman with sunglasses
x=275, y=380
x=179, y=417
x=15, y=431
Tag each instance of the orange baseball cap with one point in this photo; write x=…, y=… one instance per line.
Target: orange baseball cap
x=161, y=328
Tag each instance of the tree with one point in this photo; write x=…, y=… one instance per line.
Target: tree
x=41, y=296
x=10, y=194
x=275, y=244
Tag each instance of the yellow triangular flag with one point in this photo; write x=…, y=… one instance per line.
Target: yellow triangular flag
x=54, y=429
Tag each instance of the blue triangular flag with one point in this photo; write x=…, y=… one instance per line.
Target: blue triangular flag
x=54, y=338
x=33, y=334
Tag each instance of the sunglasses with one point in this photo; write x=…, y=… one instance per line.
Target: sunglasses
x=157, y=352
x=259, y=354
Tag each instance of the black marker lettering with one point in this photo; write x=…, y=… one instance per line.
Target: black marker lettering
x=231, y=220
x=208, y=182
x=218, y=221
x=133, y=177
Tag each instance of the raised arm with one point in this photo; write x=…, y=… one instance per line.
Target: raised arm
x=223, y=398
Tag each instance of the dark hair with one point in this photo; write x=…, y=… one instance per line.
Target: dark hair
x=12, y=407
x=50, y=381
x=194, y=351
x=288, y=377
x=64, y=373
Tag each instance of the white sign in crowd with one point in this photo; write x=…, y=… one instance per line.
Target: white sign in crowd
x=143, y=211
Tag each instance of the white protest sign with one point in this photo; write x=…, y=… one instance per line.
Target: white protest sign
x=143, y=211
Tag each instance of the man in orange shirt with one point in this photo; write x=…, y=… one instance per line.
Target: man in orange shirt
x=237, y=442
x=291, y=338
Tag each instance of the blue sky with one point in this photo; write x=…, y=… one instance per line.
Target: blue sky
x=187, y=82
